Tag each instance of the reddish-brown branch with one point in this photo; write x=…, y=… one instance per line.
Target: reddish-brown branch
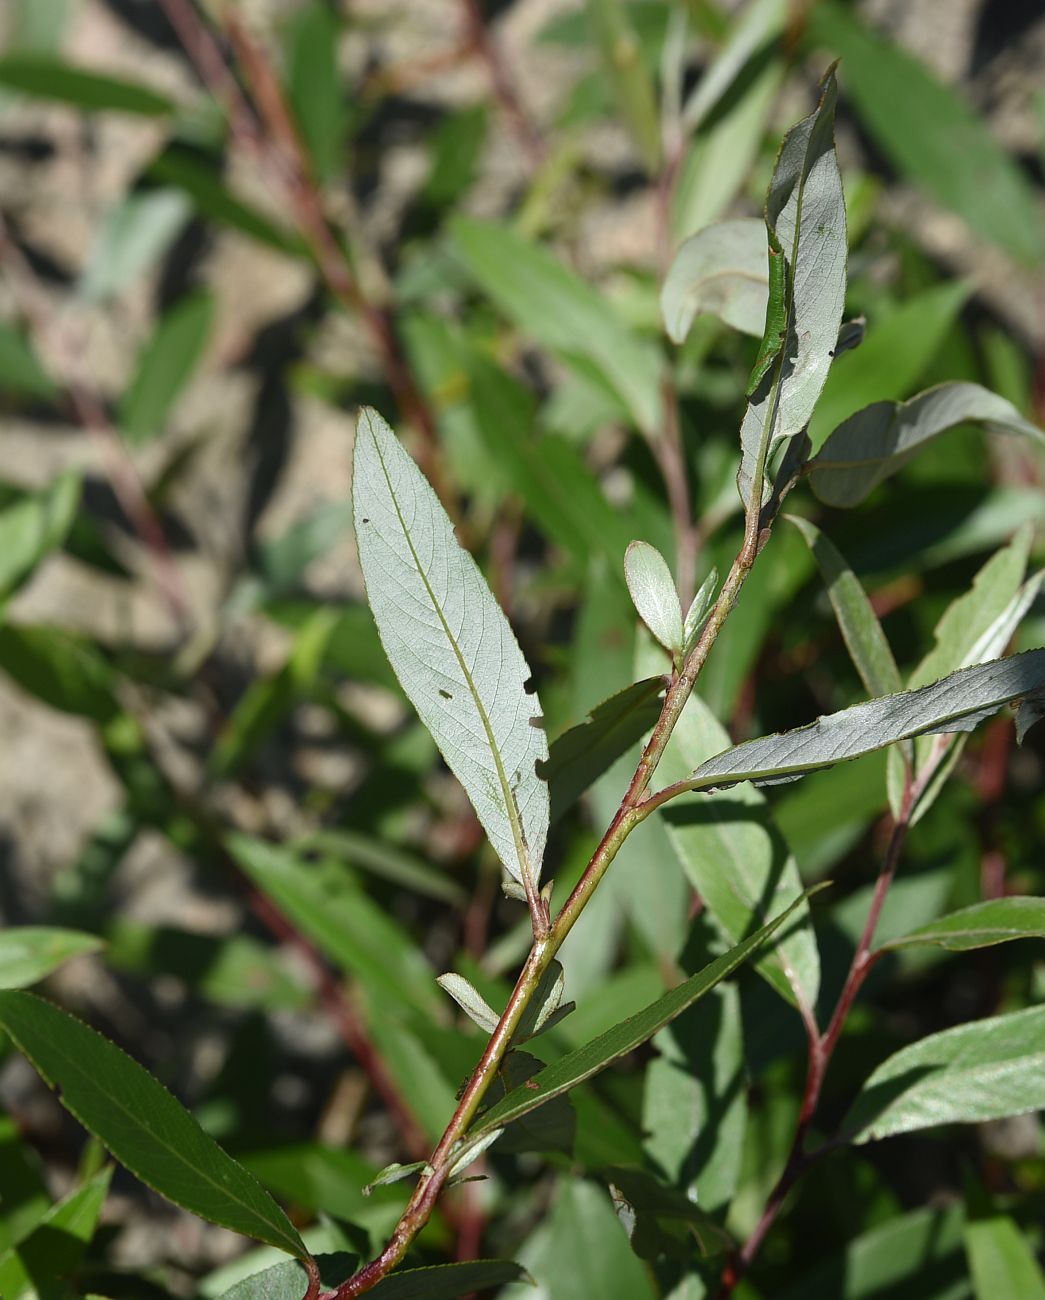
x=480, y=39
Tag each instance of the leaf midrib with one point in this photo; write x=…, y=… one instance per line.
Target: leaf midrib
x=525, y=870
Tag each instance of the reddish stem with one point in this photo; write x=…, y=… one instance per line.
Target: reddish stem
x=501, y=82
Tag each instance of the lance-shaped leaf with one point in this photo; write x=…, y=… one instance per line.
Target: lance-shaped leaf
x=957, y=703
x=882, y=438
x=998, y=920
x=288, y=1281
x=697, y=614
x=29, y=952
x=805, y=220
x=578, y=1066
x=980, y=1071
x=394, y=1173
x=578, y=757
x=451, y=647
x=654, y=594
x=864, y=639
x=33, y=527
x=721, y=270
x=35, y=1266
x=141, y=1123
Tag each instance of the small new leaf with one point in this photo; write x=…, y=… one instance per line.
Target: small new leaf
x=470, y=1000
x=654, y=594
x=697, y=614
x=394, y=1173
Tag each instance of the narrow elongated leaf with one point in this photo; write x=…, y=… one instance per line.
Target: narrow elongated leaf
x=958, y=703
x=563, y=312
x=165, y=366
x=987, y=1069
x=62, y=670
x=998, y=920
x=805, y=220
x=20, y=368
x=289, y=1281
x=33, y=527
x=880, y=439
x=51, y=1253
x=141, y=1123
x=869, y=650
x=580, y=755
x=582, y=1064
x=314, y=86
x=447, y=1281
x=1001, y=1261
x=654, y=594
x=24, y=1199
x=721, y=270
x=28, y=952
x=755, y=27
x=45, y=77
x=931, y=134
x=451, y=647
x=134, y=235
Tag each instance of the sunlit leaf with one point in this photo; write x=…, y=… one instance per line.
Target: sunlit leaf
x=133, y=236
x=654, y=594
x=451, y=647
x=33, y=527
x=722, y=270
x=28, y=953
x=46, y=77
x=997, y=920
x=165, y=366
x=52, y=1252
x=983, y=1070
x=1001, y=1260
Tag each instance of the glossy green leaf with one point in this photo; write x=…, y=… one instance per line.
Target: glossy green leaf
x=29, y=953
x=133, y=236
x=20, y=368
x=562, y=312
x=342, y=920
x=35, y=1267
x=33, y=527
x=931, y=134
x=735, y=857
x=141, y=1123
x=654, y=594
x=873, y=444
x=451, y=647
x=289, y=1281
x=864, y=639
x=580, y=755
x=805, y=220
x=1001, y=1260
x=998, y=920
x=957, y=703
x=892, y=358
x=581, y=1251
x=721, y=270
x=987, y=1069
x=587, y=1061
x=45, y=77
x=165, y=366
